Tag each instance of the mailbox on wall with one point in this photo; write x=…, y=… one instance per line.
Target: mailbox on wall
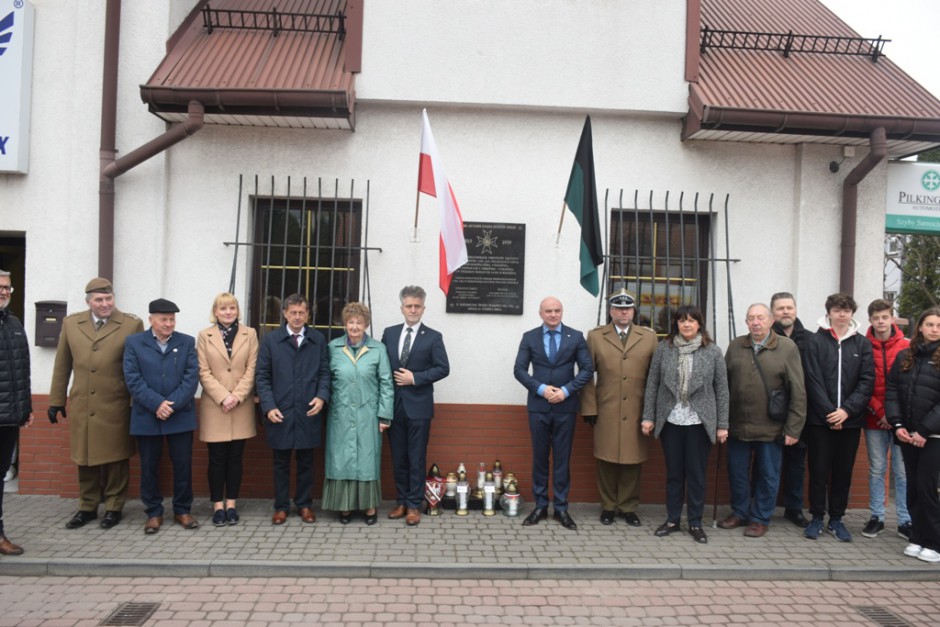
x=49, y=317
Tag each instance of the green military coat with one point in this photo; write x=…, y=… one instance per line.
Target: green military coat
x=362, y=393
x=615, y=396
x=99, y=405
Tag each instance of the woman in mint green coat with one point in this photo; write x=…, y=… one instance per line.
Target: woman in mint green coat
x=361, y=408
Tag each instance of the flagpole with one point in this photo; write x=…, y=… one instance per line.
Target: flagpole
x=560, y=222
x=417, y=202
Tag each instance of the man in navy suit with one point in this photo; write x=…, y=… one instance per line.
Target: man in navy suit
x=161, y=372
x=418, y=360
x=553, y=350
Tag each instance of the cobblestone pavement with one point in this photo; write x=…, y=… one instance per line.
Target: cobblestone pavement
x=444, y=547
x=193, y=602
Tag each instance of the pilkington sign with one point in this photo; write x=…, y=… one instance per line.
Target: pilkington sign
x=912, y=203
x=17, y=18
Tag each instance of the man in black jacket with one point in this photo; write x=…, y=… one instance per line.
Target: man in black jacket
x=840, y=381
x=786, y=324
x=16, y=409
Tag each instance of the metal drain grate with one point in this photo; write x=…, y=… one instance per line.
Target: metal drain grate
x=881, y=616
x=131, y=614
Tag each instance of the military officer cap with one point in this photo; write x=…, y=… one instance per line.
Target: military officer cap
x=99, y=285
x=162, y=305
x=621, y=299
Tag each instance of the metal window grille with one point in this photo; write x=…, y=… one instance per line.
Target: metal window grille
x=314, y=243
x=667, y=257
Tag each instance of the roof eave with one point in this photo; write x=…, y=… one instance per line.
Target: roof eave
x=272, y=102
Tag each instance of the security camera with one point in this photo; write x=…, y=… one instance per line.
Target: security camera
x=833, y=166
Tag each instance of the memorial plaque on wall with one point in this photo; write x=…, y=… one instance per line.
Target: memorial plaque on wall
x=492, y=279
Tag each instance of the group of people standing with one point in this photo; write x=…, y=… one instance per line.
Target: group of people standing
x=778, y=396
x=133, y=385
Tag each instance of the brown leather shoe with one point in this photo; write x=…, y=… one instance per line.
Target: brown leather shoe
x=306, y=514
x=731, y=522
x=153, y=525
x=186, y=521
x=413, y=517
x=755, y=530
x=8, y=548
x=398, y=512
x=279, y=518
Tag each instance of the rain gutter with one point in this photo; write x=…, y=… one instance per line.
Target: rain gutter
x=110, y=167
x=879, y=150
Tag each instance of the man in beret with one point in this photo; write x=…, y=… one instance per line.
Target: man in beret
x=162, y=373
x=622, y=352
x=91, y=353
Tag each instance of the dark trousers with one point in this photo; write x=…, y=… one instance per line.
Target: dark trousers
x=180, y=448
x=225, y=469
x=551, y=436
x=8, y=437
x=831, y=454
x=304, y=486
x=105, y=481
x=686, y=451
x=792, y=475
x=408, y=439
x=922, y=466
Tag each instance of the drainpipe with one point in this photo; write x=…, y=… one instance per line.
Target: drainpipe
x=112, y=168
x=879, y=149
x=107, y=151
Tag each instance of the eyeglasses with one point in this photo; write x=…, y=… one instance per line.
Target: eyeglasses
x=6, y=288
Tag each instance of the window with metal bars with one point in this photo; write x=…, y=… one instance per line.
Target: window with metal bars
x=662, y=258
x=310, y=246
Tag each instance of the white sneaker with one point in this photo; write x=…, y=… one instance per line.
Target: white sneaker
x=929, y=555
x=913, y=550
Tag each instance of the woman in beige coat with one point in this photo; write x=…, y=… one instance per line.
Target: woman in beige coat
x=227, y=354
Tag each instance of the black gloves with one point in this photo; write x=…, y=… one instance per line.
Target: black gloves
x=591, y=420
x=54, y=411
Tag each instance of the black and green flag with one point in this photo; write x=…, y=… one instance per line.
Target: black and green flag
x=581, y=200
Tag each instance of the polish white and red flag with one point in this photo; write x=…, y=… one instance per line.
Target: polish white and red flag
x=433, y=182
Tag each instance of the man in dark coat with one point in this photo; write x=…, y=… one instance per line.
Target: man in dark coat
x=553, y=351
x=162, y=373
x=293, y=383
x=418, y=360
x=16, y=405
x=787, y=324
x=840, y=381
x=91, y=353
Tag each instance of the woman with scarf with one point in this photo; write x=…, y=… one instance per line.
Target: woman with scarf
x=686, y=407
x=227, y=353
x=361, y=408
x=912, y=407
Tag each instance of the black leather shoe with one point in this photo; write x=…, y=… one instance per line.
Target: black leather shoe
x=538, y=514
x=666, y=528
x=110, y=519
x=80, y=518
x=566, y=520
x=372, y=518
x=632, y=519
x=345, y=517
x=607, y=517
x=796, y=517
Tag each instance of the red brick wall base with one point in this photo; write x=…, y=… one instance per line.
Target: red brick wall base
x=459, y=433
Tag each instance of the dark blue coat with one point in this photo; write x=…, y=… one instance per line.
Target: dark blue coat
x=153, y=376
x=572, y=351
x=288, y=378
x=427, y=361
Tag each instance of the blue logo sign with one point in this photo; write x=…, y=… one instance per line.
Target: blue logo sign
x=6, y=32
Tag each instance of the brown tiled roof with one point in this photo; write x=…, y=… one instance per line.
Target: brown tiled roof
x=761, y=95
x=250, y=76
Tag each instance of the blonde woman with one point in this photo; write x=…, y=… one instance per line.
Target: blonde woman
x=227, y=352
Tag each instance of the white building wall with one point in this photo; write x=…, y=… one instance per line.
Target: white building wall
x=508, y=147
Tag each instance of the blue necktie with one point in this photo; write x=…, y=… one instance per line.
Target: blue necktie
x=552, y=347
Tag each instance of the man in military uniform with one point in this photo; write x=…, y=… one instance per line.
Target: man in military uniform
x=621, y=352
x=91, y=352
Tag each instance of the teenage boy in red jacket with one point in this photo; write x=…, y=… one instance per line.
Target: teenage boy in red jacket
x=886, y=341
